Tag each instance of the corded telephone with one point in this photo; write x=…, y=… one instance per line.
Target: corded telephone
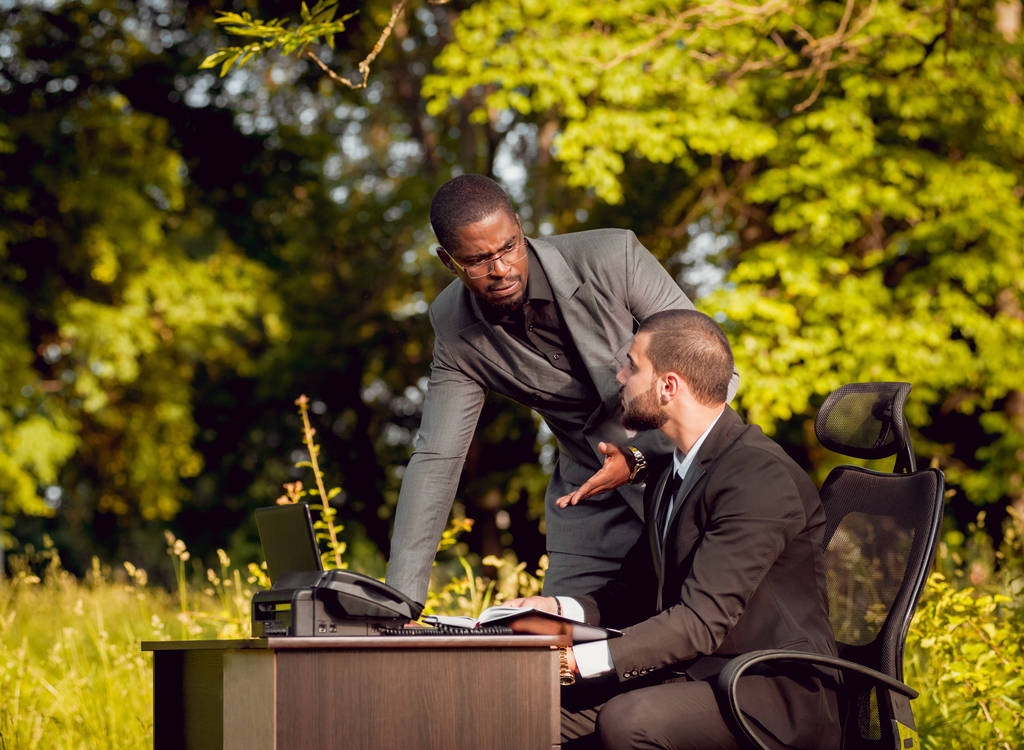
x=327, y=603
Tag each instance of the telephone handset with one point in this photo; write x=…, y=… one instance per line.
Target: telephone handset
x=329, y=602
x=353, y=594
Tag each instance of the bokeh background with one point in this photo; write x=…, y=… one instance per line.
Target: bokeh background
x=184, y=251
x=193, y=257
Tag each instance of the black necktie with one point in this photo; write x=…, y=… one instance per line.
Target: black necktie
x=661, y=514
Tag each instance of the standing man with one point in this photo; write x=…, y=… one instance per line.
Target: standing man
x=545, y=322
x=729, y=562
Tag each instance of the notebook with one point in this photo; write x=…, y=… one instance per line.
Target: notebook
x=289, y=544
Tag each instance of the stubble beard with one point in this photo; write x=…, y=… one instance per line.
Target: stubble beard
x=503, y=307
x=643, y=412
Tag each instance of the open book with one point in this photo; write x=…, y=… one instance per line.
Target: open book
x=499, y=615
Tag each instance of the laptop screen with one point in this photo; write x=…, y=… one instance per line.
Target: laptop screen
x=289, y=544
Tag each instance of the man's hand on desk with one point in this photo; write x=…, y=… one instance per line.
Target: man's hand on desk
x=543, y=603
x=613, y=473
x=536, y=625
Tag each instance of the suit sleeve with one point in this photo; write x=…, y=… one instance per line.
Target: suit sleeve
x=753, y=511
x=650, y=288
x=451, y=409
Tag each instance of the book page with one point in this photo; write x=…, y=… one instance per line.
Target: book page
x=545, y=623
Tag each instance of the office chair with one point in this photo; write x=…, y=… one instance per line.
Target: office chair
x=880, y=539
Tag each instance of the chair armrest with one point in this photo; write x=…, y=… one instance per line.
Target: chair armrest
x=726, y=684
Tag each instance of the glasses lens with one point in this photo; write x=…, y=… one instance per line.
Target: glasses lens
x=516, y=254
x=507, y=258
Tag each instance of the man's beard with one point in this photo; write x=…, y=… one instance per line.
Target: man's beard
x=643, y=412
x=502, y=308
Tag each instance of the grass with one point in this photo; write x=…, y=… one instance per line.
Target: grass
x=73, y=675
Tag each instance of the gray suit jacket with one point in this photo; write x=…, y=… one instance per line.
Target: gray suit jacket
x=604, y=283
x=739, y=568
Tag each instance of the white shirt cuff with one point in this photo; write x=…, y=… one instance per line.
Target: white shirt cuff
x=571, y=608
x=593, y=658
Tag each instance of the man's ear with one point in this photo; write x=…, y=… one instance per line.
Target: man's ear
x=671, y=386
x=446, y=259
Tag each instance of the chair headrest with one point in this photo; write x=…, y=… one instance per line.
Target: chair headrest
x=865, y=420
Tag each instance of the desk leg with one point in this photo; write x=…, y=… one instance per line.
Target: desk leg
x=187, y=700
x=250, y=698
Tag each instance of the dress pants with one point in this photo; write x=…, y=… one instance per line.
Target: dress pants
x=678, y=714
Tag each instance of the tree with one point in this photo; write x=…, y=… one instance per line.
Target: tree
x=840, y=161
x=116, y=286
x=855, y=169
x=285, y=245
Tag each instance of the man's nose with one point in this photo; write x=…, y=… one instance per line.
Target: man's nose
x=492, y=268
x=620, y=376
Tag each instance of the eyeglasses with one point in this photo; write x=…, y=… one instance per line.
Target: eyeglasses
x=483, y=267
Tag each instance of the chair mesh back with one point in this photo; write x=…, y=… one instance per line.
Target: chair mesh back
x=880, y=538
x=865, y=420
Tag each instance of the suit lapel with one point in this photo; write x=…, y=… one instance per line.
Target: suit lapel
x=480, y=337
x=598, y=347
x=683, y=530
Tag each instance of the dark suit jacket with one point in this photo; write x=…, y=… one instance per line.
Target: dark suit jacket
x=740, y=569
x=604, y=283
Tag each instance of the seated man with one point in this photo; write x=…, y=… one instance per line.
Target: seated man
x=729, y=561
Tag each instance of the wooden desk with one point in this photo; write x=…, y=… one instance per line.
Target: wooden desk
x=357, y=693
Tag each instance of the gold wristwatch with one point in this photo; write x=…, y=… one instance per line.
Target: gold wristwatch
x=565, y=675
x=638, y=472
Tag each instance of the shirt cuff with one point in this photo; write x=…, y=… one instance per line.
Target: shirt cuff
x=571, y=608
x=593, y=658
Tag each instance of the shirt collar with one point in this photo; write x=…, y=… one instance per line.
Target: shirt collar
x=537, y=285
x=681, y=462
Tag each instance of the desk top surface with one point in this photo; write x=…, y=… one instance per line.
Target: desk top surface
x=365, y=642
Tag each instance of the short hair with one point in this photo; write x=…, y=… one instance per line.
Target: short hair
x=695, y=347
x=464, y=200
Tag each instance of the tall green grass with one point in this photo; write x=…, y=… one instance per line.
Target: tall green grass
x=73, y=675
x=72, y=672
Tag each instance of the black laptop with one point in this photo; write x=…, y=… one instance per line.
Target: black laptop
x=289, y=544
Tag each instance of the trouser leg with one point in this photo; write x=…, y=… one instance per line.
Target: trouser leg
x=680, y=715
x=575, y=575
x=581, y=704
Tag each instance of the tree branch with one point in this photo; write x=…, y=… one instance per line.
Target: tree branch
x=364, y=65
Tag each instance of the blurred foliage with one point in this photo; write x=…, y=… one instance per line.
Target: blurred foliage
x=963, y=651
x=853, y=169
x=182, y=256
x=182, y=253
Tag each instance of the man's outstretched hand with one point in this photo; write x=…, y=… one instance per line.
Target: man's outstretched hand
x=613, y=473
